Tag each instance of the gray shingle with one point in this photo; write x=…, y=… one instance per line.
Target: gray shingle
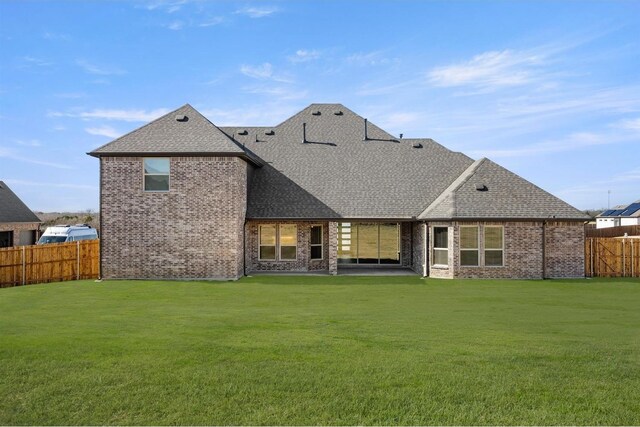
x=12, y=209
x=168, y=135
x=507, y=195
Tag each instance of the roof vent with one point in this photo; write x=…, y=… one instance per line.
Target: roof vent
x=481, y=187
x=270, y=132
x=304, y=133
x=182, y=118
x=416, y=144
x=316, y=113
x=401, y=135
x=338, y=113
x=244, y=132
x=366, y=136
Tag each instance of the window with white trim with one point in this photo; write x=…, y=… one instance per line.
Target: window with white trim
x=494, y=245
x=277, y=242
x=469, y=248
x=156, y=174
x=316, y=242
x=440, y=255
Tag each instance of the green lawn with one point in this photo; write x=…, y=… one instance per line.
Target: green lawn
x=321, y=350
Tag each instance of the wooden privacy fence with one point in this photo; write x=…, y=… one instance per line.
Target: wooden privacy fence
x=25, y=265
x=612, y=257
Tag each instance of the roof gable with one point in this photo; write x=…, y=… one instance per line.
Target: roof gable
x=12, y=209
x=487, y=190
x=182, y=131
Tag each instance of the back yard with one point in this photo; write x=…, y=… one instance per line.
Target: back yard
x=321, y=350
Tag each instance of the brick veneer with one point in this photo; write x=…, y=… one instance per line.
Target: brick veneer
x=523, y=251
x=302, y=262
x=195, y=230
x=17, y=227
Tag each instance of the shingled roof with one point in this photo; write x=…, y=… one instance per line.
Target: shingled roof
x=12, y=209
x=183, y=131
x=319, y=164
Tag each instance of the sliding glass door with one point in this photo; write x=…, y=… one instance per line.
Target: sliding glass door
x=368, y=243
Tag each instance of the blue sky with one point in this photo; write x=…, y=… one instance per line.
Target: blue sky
x=550, y=90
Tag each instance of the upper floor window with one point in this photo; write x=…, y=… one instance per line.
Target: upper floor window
x=440, y=246
x=156, y=174
x=469, y=245
x=493, y=245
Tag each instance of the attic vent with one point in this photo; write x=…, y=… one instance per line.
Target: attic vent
x=316, y=113
x=416, y=144
x=270, y=132
x=481, y=187
x=338, y=113
x=182, y=118
x=244, y=132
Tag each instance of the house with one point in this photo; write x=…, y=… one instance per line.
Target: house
x=323, y=191
x=620, y=216
x=18, y=224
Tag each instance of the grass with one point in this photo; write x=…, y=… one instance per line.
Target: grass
x=321, y=350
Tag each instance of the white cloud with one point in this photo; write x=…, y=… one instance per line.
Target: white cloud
x=257, y=12
x=303, y=55
x=56, y=36
x=92, y=68
x=489, y=70
x=71, y=95
x=631, y=124
x=8, y=154
x=263, y=72
x=122, y=115
x=38, y=62
x=212, y=21
x=29, y=143
x=175, y=25
x=50, y=184
x=368, y=58
x=284, y=93
x=107, y=131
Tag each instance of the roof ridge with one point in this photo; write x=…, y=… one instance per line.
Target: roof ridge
x=142, y=127
x=454, y=186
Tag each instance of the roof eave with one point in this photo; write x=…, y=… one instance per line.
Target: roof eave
x=243, y=155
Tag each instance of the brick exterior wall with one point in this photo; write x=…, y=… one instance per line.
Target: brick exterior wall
x=333, y=248
x=565, y=249
x=193, y=231
x=24, y=233
x=523, y=251
x=302, y=263
x=417, y=253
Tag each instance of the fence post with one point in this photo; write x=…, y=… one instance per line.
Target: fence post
x=591, y=243
x=624, y=258
x=24, y=267
x=78, y=261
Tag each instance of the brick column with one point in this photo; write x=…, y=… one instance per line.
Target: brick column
x=333, y=248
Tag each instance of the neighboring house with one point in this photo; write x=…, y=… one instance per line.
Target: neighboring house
x=18, y=224
x=322, y=191
x=619, y=216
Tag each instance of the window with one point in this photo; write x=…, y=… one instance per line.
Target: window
x=469, y=245
x=156, y=174
x=440, y=246
x=316, y=242
x=493, y=246
x=267, y=242
x=288, y=236
x=280, y=240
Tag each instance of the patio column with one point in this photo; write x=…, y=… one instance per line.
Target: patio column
x=333, y=248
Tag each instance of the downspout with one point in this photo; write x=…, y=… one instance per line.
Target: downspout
x=544, y=249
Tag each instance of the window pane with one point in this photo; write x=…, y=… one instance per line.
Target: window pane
x=156, y=166
x=468, y=237
x=268, y=235
x=316, y=235
x=440, y=237
x=493, y=258
x=368, y=243
x=389, y=250
x=347, y=243
x=156, y=182
x=468, y=257
x=316, y=252
x=267, y=252
x=288, y=235
x=441, y=256
x=287, y=252
x=493, y=237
